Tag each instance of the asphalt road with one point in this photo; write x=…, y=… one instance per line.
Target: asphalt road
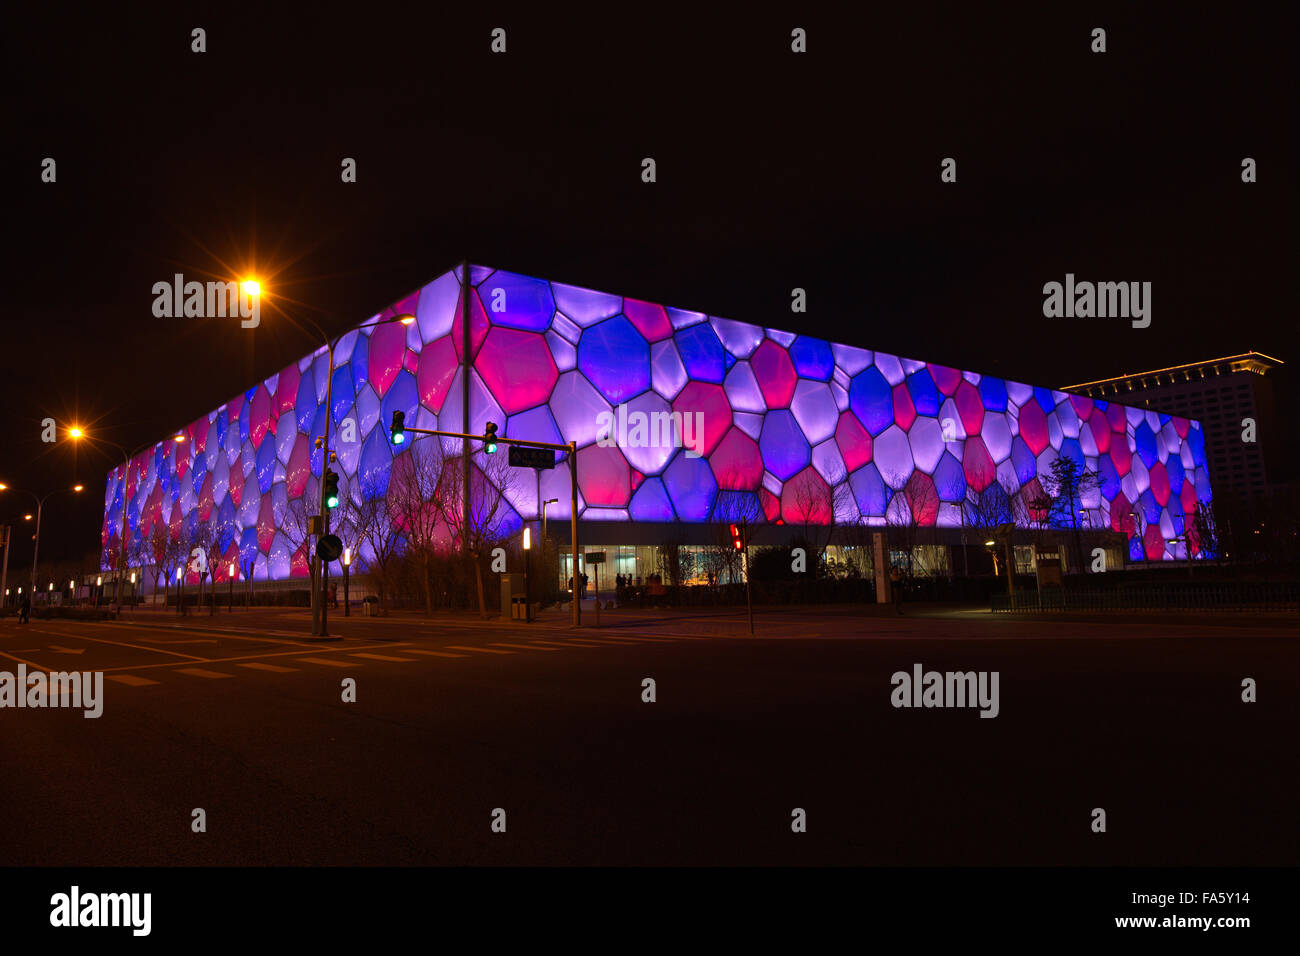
x=240, y=715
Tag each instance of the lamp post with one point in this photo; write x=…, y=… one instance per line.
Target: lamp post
x=78, y=433
x=548, y=501
x=6, y=539
x=319, y=617
x=230, y=607
x=40, y=505
x=347, y=563
x=545, y=561
x=528, y=601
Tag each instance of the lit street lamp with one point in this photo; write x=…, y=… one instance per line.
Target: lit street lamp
x=319, y=618
x=40, y=504
x=78, y=433
x=347, y=563
x=528, y=599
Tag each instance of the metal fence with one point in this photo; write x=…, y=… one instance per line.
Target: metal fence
x=1281, y=596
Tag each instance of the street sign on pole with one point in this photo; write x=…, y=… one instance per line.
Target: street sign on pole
x=329, y=547
x=595, y=557
x=521, y=456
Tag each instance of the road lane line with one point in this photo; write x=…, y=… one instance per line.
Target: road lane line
x=573, y=643
x=433, y=653
x=273, y=668
x=384, y=657
x=130, y=680
x=248, y=634
x=615, y=640
x=600, y=642
x=638, y=637
x=200, y=672
x=481, y=650
x=22, y=660
x=526, y=647
x=134, y=647
x=328, y=663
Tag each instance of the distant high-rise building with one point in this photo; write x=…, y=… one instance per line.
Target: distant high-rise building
x=1220, y=393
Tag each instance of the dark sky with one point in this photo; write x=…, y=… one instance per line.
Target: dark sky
x=775, y=171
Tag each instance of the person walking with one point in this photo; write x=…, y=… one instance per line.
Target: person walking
x=896, y=585
x=25, y=609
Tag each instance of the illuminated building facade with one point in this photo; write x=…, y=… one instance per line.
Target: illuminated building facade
x=1223, y=394
x=673, y=412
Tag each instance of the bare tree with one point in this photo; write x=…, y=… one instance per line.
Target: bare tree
x=1067, y=483
x=375, y=529
x=177, y=559
x=294, y=525
x=491, y=480
x=996, y=512
x=202, y=543
x=154, y=555
x=721, y=559
x=414, y=501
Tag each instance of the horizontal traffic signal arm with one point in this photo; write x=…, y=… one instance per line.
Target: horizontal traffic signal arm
x=497, y=438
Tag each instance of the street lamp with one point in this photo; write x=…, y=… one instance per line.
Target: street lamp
x=79, y=433
x=40, y=504
x=347, y=563
x=319, y=623
x=528, y=600
x=548, y=501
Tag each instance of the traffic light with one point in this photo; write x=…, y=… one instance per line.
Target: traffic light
x=490, y=437
x=737, y=540
x=398, y=430
x=331, y=488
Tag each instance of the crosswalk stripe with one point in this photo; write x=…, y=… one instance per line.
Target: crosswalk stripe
x=525, y=647
x=481, y=650
x=328, y=662
x=200, y=672
x=273, y=668
x=130, y=680
x=384, y=657
x=435, y=653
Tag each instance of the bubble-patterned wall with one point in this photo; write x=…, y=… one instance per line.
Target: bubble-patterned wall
x=785, y=418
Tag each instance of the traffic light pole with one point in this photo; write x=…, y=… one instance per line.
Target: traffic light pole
x=491, y=438
x=318, y=618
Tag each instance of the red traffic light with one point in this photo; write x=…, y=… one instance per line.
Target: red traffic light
x=737, y=541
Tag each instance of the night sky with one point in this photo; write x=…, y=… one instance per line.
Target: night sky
x=775, y=170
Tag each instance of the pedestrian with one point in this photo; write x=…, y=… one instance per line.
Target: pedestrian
x=334, y=595
x=896, y=585
x=25, y=609
x=584, y=585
